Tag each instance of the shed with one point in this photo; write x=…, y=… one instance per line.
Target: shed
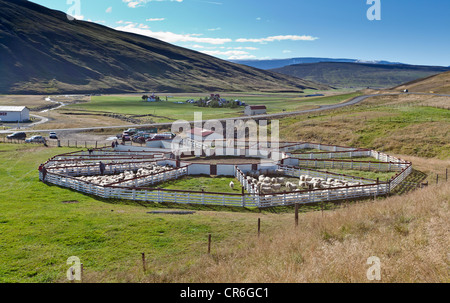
x=200, y=134
x=14, y=114
x=252, y=110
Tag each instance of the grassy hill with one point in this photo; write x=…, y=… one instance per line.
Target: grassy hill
x=42, y=52
x=343, y=74
x=439, y=84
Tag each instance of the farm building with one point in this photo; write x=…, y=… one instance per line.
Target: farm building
x=252, y=110
x=14, y=114
x=200, y=135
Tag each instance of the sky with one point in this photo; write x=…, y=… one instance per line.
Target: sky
x=408, y=31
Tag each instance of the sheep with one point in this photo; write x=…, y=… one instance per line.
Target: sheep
x=261, y=178
x=291, y=186
x=276, y=187
x=232, y=185
x=281, y=180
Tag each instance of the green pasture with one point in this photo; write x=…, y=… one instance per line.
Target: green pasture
x=166, y=111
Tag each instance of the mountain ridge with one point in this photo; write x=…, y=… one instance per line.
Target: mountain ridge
x=268, y=64
x=346, y=74
x=43, y=53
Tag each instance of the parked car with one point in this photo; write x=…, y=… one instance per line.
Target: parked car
x=52, y=135
x=131, y=131
x=140, y=138
x=164, y=136
x=35, y=139
x=18, y=136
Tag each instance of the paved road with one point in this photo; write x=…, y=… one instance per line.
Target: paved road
x=353, y=101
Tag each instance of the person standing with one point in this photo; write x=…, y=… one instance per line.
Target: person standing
x=102, y=168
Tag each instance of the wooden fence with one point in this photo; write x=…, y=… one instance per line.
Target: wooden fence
x=133, y=189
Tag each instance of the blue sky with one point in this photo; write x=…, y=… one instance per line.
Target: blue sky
x=410, y=31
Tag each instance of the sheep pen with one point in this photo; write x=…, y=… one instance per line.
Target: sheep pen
x=295, y=178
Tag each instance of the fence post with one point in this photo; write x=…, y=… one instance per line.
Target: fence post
x=296, y=214
x=259, y=227
x=81, y=271
x=143, y=262
x=209, y=244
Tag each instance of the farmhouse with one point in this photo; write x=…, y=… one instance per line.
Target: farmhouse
x=14, y=114
x=252, y=110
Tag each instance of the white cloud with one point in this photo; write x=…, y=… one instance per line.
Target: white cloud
x=231, y=54
x=109, y=9
x=244, y=47
x=214, y=29
x=155, y=19
x=169, y=36
x=279, y=38
x=286, y=51
x=137, y=3
x=241, y=57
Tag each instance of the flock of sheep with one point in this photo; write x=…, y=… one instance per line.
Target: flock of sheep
x=127, y=175
x=269, y=185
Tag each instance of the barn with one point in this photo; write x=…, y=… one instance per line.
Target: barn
x=14, y=114
x=252, y=110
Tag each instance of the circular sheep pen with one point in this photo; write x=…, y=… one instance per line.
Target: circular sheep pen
x=294, y=177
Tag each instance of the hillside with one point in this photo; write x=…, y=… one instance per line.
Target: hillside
x=278, y=63
x=344, y=74
x=42, y=52
x=439, y=84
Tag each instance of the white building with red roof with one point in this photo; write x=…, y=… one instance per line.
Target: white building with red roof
x=253, y=110
x=201, y=135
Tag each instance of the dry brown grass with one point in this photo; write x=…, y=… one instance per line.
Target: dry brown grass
x=410, y=235
x=403, y=124
x=61, y=121
x=438, y=84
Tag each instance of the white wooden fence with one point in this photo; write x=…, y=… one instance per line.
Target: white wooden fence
x=61, y=175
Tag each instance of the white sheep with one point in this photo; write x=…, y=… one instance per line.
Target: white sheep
x=231, y=184
x=276, y=187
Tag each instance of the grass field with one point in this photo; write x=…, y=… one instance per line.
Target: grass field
x=171, y=111
x=206, y=183
x=41, y=226
x=411, y=125
x=39, y=231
